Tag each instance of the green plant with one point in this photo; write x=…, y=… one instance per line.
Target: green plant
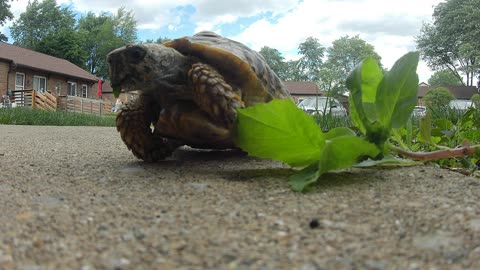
x=438, y=97
x=380, y=108
x=28, y=116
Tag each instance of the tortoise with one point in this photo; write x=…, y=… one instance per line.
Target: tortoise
x=190, y=89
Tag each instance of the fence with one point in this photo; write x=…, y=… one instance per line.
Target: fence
x=84, y=105
x=47, y=101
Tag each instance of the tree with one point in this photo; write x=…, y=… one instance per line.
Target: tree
x=159, y=40
x=125, y=25
x=444, y=77
x=275, y=61
x=344, y=54
x=329, y=78
x=452, y=40
x=65, y=44
x=292, y=72
x=5, y=15
x=102, y=33
x=438, y=97
x=347, y=52
x=310, y=62
x=40, y=20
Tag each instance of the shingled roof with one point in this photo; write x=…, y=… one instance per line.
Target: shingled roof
x=460, y=92
x=22, y=57
x=303, y=88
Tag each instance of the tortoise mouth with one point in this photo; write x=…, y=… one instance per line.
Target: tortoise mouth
x=127, y=83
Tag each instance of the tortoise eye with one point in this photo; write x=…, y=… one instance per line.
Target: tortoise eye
x=136, y=54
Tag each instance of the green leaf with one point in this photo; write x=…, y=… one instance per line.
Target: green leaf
x=362, y=83
x=426, y=130
x=116, y=91
x=357, y=114
x=281, y=131
x=343, y=152
x=339, y=131
x=305, y=177
x=339, y=153
x=397, y=93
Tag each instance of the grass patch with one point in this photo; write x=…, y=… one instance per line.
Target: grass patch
x=328, y=121
x=28, y=116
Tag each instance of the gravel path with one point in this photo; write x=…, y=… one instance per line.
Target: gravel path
x=76, y=198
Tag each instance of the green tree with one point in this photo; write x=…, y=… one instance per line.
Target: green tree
x=41, y=19
x=311, y=59
x=452, y=40
x=66, y=44
x=329, y=79
x=125, y=25
x=344, y=54
x=159, y=40
x=292, y=72
x=102, y=33
x=438, y=97
x=444, y=77
x=5, y=15
x=275, y=60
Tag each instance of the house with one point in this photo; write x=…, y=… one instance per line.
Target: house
x=460, y=92
x=302, y=90
x=22, y=69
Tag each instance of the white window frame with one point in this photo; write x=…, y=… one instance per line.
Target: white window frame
x=17, y=86
x=39, y=78
x=69, y=90
x=84, y=91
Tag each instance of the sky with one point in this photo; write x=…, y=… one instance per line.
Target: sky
x=389, y=25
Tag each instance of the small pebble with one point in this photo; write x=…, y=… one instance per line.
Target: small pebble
x=314, y=223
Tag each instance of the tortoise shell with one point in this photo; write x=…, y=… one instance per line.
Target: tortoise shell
x=240, y=65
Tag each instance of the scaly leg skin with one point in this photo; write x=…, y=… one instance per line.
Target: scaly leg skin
x=188, y=123
x=214, y=96
x=133, y=123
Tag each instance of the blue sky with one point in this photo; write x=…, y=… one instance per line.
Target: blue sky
x=389, y=25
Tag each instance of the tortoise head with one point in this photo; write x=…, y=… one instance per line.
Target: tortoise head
x=146, y=67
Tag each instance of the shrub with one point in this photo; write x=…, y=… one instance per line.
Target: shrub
x=438, y=97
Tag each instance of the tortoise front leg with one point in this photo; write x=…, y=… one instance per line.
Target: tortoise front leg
x=133, y=123
x=214, y=96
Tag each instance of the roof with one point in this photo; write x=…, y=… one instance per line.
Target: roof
x=460, y=92
x=302, y=88
x=32, y=59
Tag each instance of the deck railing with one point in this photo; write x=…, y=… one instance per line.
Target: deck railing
x=47, y=101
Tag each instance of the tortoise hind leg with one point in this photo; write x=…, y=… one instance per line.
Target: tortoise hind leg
x=214, y=96
x=133, y=122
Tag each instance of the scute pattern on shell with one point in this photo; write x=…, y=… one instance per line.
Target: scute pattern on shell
x=235, y=61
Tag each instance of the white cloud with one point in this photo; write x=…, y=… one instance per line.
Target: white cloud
x=389, y=25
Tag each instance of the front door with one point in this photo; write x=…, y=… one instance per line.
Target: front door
x=20, y=81
x=19, y=97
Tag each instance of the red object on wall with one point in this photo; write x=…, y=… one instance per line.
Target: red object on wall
x=99, y=90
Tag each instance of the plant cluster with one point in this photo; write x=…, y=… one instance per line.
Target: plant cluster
x=380, y=108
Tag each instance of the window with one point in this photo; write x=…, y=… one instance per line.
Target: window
x=40, y=84
x=84, y=90
x=19, y=81
x=72, y=89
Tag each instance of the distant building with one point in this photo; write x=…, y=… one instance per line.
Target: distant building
x=22, y=69
x=302, y=90
x=460, y=92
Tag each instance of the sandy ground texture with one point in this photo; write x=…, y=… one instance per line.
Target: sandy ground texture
x=76, y=198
